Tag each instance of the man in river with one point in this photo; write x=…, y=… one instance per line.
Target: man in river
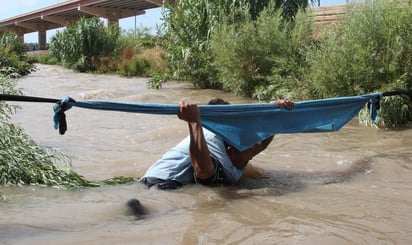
x=203, y=157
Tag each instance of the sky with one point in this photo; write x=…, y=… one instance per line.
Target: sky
x=150, y=20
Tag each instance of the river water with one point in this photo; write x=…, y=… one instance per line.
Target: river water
x=348, y=187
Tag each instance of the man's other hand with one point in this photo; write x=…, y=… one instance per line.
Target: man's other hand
x=284, y=104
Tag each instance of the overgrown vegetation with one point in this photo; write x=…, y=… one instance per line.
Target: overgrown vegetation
x=268, y=56
x=189, y=25
x=262, y=58
x=81, y=46
x=140, y=55
x=90, y=46
x=23, y=162
x=13, y=58
x=267, y=50
x=45, y=58
x=370, y=51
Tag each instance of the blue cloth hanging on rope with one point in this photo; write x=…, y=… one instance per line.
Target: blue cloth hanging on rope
x=243, y=125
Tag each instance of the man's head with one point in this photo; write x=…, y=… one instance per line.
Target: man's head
x=218, y=101
x=239, y=159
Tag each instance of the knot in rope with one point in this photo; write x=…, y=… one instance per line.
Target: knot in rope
x=59, y=118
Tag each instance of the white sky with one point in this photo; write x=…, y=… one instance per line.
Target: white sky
x=150, y=19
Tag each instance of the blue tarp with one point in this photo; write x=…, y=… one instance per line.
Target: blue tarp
x=243, y=125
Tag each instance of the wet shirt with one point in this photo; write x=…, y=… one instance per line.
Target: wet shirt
x=176, y=164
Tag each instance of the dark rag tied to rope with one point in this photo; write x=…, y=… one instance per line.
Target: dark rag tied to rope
x=241, y=125
x=59, y=118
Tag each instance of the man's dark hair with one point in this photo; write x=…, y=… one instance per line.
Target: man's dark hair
x=218, y=101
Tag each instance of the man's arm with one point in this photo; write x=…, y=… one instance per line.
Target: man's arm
x=260, y=146
x=199, y=151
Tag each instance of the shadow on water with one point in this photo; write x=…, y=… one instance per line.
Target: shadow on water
x=277, y=183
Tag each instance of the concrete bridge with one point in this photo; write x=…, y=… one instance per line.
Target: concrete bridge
x=67, y=13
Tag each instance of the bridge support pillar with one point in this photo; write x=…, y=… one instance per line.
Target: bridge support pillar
x=42, y=40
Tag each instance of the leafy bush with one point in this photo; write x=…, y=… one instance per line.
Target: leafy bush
x=21, y=160
x=187, y=29
x=156, y=58
x=371, y=51
x=135, y=66
x=11, y=41
x=106, y=65
x=261, y=58
x=13, y=58
x=140, y=56
x=45, y=58
x=81, y=45
x=137, y=39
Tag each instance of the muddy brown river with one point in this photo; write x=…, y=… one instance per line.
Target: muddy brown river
x=349, y=187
